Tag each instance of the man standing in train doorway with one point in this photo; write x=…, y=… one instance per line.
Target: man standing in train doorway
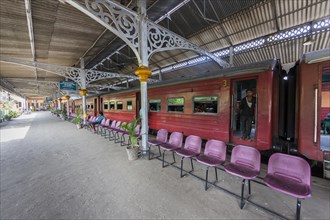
x=247, y=109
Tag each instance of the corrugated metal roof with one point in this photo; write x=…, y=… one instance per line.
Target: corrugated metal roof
x=64, y=34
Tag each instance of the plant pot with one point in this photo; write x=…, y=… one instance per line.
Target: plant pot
x=79, y=126
x=132, y=153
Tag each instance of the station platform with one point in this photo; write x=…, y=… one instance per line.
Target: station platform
x=52, y=170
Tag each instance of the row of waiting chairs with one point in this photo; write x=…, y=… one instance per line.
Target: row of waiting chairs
x=286, y=173
x=113, y=131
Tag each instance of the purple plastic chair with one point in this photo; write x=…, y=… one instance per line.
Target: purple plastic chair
x=160, y=139
x=97, y=126
x=112, y=125
x=119, y=131
x=192, y=148
x=290, y=175
x=104, y=126
x=174, y=143
x=92, y=119
x=113, y=130
x=214, y=155
x=244, y=163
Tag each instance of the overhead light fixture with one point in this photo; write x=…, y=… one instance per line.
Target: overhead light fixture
x=308, y=42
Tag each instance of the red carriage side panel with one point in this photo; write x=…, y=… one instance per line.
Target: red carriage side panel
x=127, y=113
x=208, y=126
x=265, y=110
x=309, y=78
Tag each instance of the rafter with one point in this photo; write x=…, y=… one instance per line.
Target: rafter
x=4, y=84
x=70, y=72
x=126, y=26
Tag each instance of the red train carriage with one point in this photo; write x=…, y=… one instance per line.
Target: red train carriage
x=313, y=104
x=120, y=106
x=207, y=107
x=288, y=112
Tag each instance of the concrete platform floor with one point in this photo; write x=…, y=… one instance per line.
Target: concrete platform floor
x=51, y=170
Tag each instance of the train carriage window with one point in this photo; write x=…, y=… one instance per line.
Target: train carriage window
x=175, y=104
x=155, y=105
x=106, y=105
x=112, y=105
x=129, y=105
x=119, y=105
x=205, y=104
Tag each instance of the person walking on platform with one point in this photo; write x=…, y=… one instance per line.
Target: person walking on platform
x=97, y=121
x=247, y=109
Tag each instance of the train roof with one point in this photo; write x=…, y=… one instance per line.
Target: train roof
x=316, y=56
x=232, y=71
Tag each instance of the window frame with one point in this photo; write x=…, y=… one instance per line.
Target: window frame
x=175, y=98
x=160, y=103
x=122, y=108
x=106, y=103
x=205, y=113
x=114, y=105
x=129, y=105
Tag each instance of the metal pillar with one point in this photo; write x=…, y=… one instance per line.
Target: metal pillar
x=83, y=90
x=144, y=72
x=67, y=97
x=60, y=104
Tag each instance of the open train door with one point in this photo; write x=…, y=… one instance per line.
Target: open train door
x=238, y=92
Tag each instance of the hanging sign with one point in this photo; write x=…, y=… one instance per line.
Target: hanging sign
x=68, y=85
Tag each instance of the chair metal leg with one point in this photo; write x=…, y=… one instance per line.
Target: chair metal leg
x=242, y=194
x=207, y=175
x=160, y=153
x=167, y=163
x=298, y=209
x=149, y=158
x=192, y=165
x=122, y=140
x=163, y=158
x=249, y=187
x=216, y=173
x=181, y=167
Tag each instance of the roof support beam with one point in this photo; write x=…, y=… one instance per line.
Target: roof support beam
x=4, y=84
x=126, y=26
x=70, y=72
x=31, y=34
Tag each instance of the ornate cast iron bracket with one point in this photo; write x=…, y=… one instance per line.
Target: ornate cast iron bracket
x=124, y=23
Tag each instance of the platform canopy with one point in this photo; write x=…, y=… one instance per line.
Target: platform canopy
x=50, y=32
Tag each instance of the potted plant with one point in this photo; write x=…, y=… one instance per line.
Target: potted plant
x=63, y=114
x=78, y=120
x=57, y=112
x=133, y=148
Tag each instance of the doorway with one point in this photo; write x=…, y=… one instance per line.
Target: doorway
x=239, y=89
x=325, y=111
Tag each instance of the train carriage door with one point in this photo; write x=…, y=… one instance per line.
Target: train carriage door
x=95, y=107
x=247, y=131
x=325, y=110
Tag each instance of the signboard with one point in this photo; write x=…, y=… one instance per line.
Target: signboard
x=68, y=85
x=48, y=99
